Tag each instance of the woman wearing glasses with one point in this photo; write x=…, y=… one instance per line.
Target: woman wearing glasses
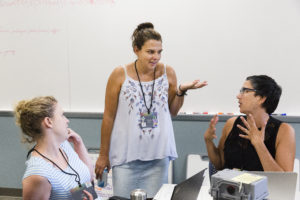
x=257, y=141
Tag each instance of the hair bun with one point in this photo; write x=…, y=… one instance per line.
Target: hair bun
x=145, y=25
x=20, y=107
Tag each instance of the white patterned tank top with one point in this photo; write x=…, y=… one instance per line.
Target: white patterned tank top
x=129, y=140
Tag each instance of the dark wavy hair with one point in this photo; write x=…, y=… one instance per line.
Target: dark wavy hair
x=266, y=86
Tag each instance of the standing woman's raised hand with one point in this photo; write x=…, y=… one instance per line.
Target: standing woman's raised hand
x=192, y=85
x=210, y=133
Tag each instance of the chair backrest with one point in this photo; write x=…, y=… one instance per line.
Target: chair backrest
x=170, y=173
x=297, y=170
x=212, y=170
x=195, y=164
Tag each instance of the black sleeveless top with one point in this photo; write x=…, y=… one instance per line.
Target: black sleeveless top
x=240, y=153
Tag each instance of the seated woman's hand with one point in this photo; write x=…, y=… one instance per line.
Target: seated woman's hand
x=210, y=133
x=88, y=196
x=252, y=132
x=74, y=137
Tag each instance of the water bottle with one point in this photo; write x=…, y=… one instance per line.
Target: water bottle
x=138, y=194
x=102, y=182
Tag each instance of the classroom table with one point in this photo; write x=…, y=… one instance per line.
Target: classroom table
x=165, y=193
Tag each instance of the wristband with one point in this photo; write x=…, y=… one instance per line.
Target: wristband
x=183, y=92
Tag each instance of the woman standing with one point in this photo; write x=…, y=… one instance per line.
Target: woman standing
x=137, y=138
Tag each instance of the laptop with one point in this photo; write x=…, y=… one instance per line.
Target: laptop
x=188, y=189
x=281, y=185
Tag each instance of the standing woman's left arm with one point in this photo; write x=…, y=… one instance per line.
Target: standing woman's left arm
x=81, y=150
x=175, y=101
x=177, y=93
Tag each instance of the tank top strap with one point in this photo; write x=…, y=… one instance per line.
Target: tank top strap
x=125, y=71
x=165, y=68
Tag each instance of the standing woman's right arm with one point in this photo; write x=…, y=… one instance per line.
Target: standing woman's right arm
x=113, y=88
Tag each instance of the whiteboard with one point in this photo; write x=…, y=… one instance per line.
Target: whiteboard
x=68, y=48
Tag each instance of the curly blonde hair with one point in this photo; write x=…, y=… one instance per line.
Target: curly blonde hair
x=30, y=113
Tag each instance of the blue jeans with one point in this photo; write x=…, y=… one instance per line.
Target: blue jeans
x=146, y=175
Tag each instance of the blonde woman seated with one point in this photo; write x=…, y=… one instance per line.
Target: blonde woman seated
x=54, y=167
x=257, y=141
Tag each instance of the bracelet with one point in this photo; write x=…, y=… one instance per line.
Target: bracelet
x=183, y=92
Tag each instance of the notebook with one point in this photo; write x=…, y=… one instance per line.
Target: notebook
x=281, y=185
x=188, y=189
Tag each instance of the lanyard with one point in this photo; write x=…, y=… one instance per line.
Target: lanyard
x=77, y=177
x=148, y=109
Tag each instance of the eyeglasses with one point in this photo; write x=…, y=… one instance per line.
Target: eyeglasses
x=244, y=90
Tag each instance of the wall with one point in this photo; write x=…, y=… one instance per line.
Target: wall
x=68, y=48
x=188, y=135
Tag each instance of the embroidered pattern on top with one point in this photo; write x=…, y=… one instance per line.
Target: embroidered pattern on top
x=134, y=98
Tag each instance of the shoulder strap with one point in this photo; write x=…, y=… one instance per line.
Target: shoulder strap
x=29, y=152
x=125, y=71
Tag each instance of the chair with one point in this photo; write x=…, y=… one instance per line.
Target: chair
x=212, y=170
x=196, y=163
x=170, y=172
x=297, y=170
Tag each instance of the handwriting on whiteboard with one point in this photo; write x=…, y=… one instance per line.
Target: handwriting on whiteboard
x=6, y=3
x=29, y=31
x=5, y=53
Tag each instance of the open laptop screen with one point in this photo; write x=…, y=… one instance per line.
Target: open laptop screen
x=281, y=185
x=188, y=189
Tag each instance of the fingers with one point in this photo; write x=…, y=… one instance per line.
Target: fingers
x=252, y=132
x=200, y=84
x=71, y=132
x=101, y=164
x=244, y=136
x=214, y=121
x=98, y=171
x=74, y=137
x=210, y=133
x=98, y=168
x=245, y=122
x=263, y=128
x=88, y=195
x=193, y=85
x=243, y=129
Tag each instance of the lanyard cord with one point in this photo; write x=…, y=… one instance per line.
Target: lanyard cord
x=77, y=177
x=148, y=109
